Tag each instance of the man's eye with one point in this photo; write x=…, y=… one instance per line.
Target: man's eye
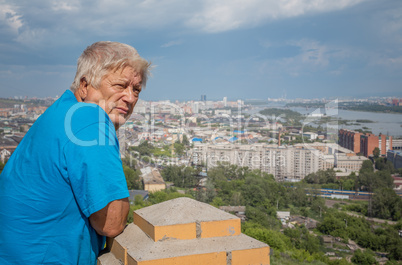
x=137, y=91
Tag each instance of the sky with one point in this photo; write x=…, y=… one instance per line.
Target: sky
x=239, y=49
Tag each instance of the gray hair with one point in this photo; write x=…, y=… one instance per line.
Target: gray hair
x=102, y=57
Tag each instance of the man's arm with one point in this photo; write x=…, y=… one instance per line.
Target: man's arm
x=111, y=220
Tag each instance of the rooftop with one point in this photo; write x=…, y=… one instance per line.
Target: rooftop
x=186, y=211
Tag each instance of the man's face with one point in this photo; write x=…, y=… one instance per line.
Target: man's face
x=117, y=94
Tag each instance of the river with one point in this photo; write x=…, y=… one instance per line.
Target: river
x=386, y=123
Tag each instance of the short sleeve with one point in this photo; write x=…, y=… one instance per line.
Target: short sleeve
x=94, y=167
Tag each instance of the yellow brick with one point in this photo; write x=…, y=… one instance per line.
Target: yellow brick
x=179, y=231
x=117, y=250
x=216, y=258
x=257, y=256
x=131, y=261
x=220, y=228
x=145, y=226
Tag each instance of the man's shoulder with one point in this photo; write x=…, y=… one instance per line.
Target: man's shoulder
x=78, y=115
x=81, y=115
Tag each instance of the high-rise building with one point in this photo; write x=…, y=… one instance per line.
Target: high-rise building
x=395, y=158
x=364, y=143
x=225, y=101
x=368, y=142
x=203, y=97
x=349, y=140
x=282, y=162
x=396, y=102
x=384, y=143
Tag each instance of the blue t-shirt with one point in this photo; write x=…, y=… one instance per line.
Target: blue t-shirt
x=66, y=168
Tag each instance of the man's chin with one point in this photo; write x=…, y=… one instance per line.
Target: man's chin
x=118, y=120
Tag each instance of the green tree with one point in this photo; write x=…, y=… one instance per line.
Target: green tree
x=132, y=178
x=260, y=216
x=387, y=204
x=367, y=166
x=363, y=258
x=185, y=140
x=274, y=239
x=144, y=149
x=161, y=196
x=1, y=166
x=302, y=239
x=179, y=148
x=349, y=184
x=217, y=202
x=333, y=225
x=367, y=180
x=376, y=152
x=298, y=196
x=321, y=177
x=181, y=176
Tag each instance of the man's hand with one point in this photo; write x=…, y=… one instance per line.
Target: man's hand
x=111, y=220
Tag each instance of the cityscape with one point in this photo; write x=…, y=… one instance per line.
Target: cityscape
x=181, y=148
x=267, y=132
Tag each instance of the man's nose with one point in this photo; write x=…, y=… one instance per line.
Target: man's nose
x=129, y=95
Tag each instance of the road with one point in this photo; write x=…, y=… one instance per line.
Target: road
x=376, y=220
x=330, y=204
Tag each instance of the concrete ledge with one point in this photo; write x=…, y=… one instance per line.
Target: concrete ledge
x=182, y=232
x=108, y=259
x=182, y=211
x=142, y=248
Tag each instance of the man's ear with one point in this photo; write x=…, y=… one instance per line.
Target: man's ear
x=82, y=91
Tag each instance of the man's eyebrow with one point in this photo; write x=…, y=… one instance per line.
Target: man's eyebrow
x=122, y=79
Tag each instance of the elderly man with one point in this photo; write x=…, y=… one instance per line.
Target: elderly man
x=63, y=190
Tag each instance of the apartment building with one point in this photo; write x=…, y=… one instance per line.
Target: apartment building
x=290, y=163
x=284, y=162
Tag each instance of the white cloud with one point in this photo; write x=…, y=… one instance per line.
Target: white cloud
x=391, y=62
x=33, y=37
x=312, y=52
x=65, y=6
x=9, y=15
x=390, y=23
x=62, y=17
x=312, y=57
x=218, y=16
x=172, y=43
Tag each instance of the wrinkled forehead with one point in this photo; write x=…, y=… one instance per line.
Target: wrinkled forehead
x=126, y=73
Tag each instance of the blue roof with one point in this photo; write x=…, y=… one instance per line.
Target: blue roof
x=232, y=139
x=196, y=139
x=236, y=131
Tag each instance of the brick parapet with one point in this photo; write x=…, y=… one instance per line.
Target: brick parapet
x=212, y=238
